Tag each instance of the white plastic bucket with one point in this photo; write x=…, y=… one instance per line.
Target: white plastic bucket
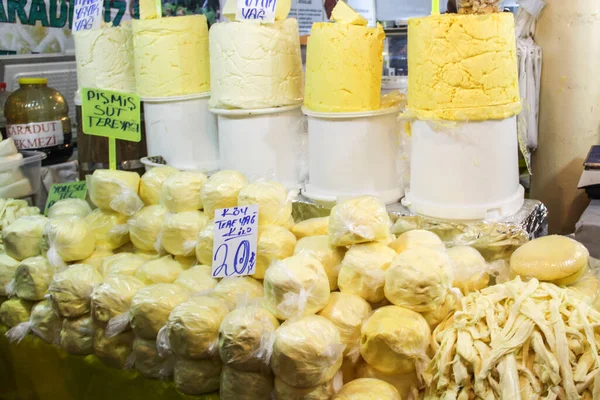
x=264, y=143
x=182, y=131
x=353, y=154
x=465, y=170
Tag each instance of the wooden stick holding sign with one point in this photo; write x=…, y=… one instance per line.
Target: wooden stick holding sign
x=112, y=115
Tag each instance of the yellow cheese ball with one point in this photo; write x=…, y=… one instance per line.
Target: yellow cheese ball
x=330, y=256
x=236, y=385
x=32, y=278
x=45, y=322
x=23, y=238
x=311, y=227
x=113, y=351
x=204, y=244
x=122, y=264
x=110, y=228
x=469, y=269
x=15, y=311
x=181, y=191
x=196, y=377
x=180, y=232
x=274, y=207
x=113, y=297
x=221, y=190
x=71, y=238
x=96, y=259
x=367, y=389
x=197, y=279
x=405, y=384
x=152, y=182
x=69, y=207
x=417, y=238
x=147, y=360
x=8, y=267
x=115, y=190
x=359, y=220
x=162, y=270
x=242, y=290
x=145, y=227
x=77, y=335
x=70, y=290
x=274, y=243
x=283, y=391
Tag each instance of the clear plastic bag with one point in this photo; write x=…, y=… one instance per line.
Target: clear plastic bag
x=44, y=323
x=113, y=297
x=69, y=208
x=180, y=232
x=145, y=227
x=110, y=228
x=23, y=238
x=70, y=239
x=115, y=190
x=479, y=6
x=181, y=191
x=221, y=190
x=71, y=289
x=359, y=220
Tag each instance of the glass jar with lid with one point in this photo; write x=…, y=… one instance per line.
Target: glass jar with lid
x=37, y=118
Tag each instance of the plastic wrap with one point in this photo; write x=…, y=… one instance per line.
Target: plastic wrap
x=195, y=377
x=405, y=384
x=238, y=289
x=307, y=351
x=395, y=340
x=152, y=182
x=283, y=391
x=145, y=227
x=113, y=297
x=70, y=290
x=274, y=243
x=122, y=264
x=295, y=287
x=204, y=244
x=197, y=279
x=97, y=258
x=15, y=311
x=151, y=306
x=470, y=271
x=238, y=385
x=363, y=271
x=329, y=256
x=115, y=190
x=12, y=209
x=114, y=351
x=181, y=191
x=274, y=202
x=417, y=238
x=162, y=270
x=193, y=327
x=69, y=208
x=246, y=338
x=32, y=278
x=110, y=228
x=180, y=232
x=70, y=239
x=221, y=190
x=348, y=312
x=359, y=220
x=8, y=267
x=148, y=362
x=23, y=238
x=77, y=335
x=367, y=389
x=311, y=227
x=44, y=323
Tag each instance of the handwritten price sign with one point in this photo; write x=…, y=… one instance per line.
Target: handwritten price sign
x=234, y=244
x=87, y=14
x=61, y=191
x=256, y=10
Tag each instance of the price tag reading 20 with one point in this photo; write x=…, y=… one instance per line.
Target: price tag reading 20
x=234, y=244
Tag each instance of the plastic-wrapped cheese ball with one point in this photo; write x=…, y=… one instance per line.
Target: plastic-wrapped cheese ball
x=204, y=244
x=274, y=206
x=283, y=391
x=181, y=191
x=14, y=312
x=311, y=227
x=115, y=190
x=221, y=190
x=186, y=262
x=245, y=339
x=145, y=227
x=152, y=182
x=295, y=287
x=469, y=270
x=113, y=297
x=193, y=327
x=274, y=243
x=32, y=278
x=23, y=238
x=110, y=228
x=239, y=289
x=197, y=279
x=238, y=385
x=77, y=335
x=307, y=351
x=196, y=377
x=147, y=360
x=162, y=270
x=418, y=279
x=69, y=238
x=394, y=339
x=8, y=267
x=113, y=351
x=405, y=384
x=151, y=306
x=348, y=312
x=330, y=256
x=556, y=259
x=44, y=323
x=97, y=258
x=122, y=264
x=359, y=220
x=69, y=208
x=363, y=271
x=71, y=289
x=417, y=238
x=367, y=389
x=180, y=232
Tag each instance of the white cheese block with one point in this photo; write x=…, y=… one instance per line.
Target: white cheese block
x=16, y=190
x=7, y=147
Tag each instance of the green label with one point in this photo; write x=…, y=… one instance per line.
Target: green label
x=111, y=114
x=61, y=191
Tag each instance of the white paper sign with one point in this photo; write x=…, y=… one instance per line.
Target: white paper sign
x=307, y=12
x=234, y=243
x=87, y=14
x=256, y=10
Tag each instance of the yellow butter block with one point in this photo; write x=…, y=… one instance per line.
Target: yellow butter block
x=345, y=14
x=282, y=9
x=463, y=67
x=171, y=56
x=343, y=67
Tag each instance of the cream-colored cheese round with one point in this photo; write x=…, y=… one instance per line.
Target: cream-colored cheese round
x=147, y=360
x=367, y=389
x=311, y=227
x=162, y=270
x=221, y=190
x=113, y=297
x=359, y=220
x=32, y=278
x=15, y=311
x=181, y=191
x=152, y=182
x=109, y=227
x=197, y=279
x=240, y=290
x=417, y=238
x=71, y=238
x=363, y=271
x=283, y=391
x=196, y=377
x=180, y=232
x=274, y=243
x=469, y=272
x=70, y=290
x=23, y=238
x=330, y=256
x=204, y=244
x=295, y=287
x=115, y=190
x=45, y=323
x=238, y=385
x=8, y=267
x=274, y=206
x=145, y=227
x=77, y=335
x=114, y=351
x=122, y=264
x=69, y=207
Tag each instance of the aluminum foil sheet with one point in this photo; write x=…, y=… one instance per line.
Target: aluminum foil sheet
x=496, y=240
